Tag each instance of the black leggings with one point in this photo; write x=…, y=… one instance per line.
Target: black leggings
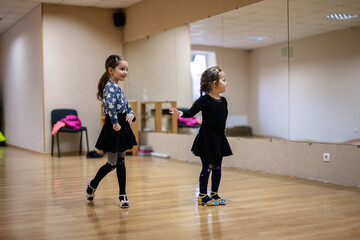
x=210, y=165
x=115, y=160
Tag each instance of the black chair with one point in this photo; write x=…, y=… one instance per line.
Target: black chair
x=58, y=114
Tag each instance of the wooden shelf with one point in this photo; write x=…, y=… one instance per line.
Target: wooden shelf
x=158, y=115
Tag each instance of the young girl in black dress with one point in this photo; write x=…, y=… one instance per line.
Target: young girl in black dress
x=210, y=144
x=116, y=135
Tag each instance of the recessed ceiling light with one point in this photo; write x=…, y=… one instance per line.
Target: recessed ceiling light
x=340, y=16
x=254, y=38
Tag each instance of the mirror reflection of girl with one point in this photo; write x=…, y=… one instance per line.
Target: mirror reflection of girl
x=116, y=135
x=210, y=144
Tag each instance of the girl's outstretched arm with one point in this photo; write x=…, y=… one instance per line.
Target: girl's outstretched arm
x=197, y=106
x=176, y=112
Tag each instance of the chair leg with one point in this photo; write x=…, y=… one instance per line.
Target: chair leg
x=58, y=145
x=80, y=142
x=52, y=145
x=87, y=140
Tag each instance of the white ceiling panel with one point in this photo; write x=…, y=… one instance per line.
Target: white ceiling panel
x=13, y=10
x=269, y=18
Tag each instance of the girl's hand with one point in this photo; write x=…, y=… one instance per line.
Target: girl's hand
x=116, y=127
x=129, y=117
x=176, y=112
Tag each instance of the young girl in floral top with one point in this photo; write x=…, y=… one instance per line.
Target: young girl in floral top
x=116, y=135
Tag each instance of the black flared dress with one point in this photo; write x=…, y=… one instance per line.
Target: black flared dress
x=211, y=140
x=116, y=141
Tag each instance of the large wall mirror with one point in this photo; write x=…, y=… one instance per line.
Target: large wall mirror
x=293, y=67
x=324, y=70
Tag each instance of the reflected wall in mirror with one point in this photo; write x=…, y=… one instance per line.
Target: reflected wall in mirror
x=309, y=94
x=325, y=70
x=250, y=49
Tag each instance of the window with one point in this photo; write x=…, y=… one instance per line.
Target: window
x=200, y=60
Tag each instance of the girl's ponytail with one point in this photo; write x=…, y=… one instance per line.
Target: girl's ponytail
x=103, y=80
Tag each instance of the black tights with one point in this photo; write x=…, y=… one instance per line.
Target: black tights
x=121, y=175
x=210, y=165
x=120, y=172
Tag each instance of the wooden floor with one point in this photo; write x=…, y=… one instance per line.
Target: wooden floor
x=43, y=198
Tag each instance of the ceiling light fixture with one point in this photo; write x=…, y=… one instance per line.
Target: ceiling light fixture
x=340, y=16
x=254, y=38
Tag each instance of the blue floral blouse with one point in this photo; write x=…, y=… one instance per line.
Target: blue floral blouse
x=114, y=101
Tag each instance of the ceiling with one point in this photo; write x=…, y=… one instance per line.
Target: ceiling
x=12, y=11
x=269, y=19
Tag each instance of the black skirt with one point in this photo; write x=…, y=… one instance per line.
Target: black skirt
x=210, y=144
x=116, y=141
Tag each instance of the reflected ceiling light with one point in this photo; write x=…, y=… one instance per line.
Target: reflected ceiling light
x=254, y=38
x=340, y=16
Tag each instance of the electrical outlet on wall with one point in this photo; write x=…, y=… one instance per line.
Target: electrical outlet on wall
x=326, y=157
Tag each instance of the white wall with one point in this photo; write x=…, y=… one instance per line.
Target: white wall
x=22, y=76
x=268, y=103
x=161, y=65
x=324, y=87
x=77, y=41
x=317, y=101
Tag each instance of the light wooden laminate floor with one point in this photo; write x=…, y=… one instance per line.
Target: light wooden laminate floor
x=43, y=198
